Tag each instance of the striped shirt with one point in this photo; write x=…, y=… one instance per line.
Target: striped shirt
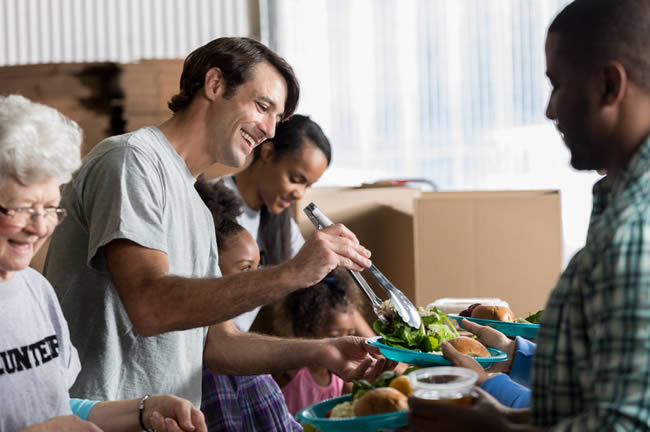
x=591, y=371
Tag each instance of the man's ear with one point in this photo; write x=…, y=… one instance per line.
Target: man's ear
x=266, y=151
x=614, y=78
x=213, y=84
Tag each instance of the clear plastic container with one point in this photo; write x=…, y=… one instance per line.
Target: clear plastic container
x=444, y=384
x=455, y=305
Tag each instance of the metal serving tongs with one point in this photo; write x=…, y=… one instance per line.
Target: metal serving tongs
x=400, y=302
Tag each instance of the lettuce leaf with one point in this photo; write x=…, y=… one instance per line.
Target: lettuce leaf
x=434, y=330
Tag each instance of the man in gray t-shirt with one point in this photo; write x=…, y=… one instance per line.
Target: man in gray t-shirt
x=135, y=264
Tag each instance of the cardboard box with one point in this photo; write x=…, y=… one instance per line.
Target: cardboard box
x=454, y=244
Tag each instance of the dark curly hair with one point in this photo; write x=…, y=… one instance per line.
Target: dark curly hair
x=225, y=206
x=309, y=309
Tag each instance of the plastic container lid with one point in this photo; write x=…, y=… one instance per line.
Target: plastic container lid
x=446, y=382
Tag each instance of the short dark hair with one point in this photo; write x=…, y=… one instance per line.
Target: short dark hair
x=597, y=31
x=235, y=57
x=224, y=205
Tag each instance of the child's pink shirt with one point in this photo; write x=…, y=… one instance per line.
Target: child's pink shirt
x=302, y=391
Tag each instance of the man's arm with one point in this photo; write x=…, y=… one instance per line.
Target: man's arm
x=158, y=302
x=231, y=352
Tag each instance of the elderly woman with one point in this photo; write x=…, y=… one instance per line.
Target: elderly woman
x=39, y=150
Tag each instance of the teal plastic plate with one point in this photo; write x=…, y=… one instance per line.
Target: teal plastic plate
x=528, y=331
x=315, y=415
x=428, y=359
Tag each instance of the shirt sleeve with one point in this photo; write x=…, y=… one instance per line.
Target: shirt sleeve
x=616, y=321
x=123, y=198
x=506, y=391
x=523, y=361
x=82, y=407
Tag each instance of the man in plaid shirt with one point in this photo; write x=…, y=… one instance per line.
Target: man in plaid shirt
x=591, y=370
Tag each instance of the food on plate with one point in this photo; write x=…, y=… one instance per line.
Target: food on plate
x=469, y=346
x=402, y=384
x=360, y=388
x=532, y=318
x=435, y=329
x=497, y=313
x=468, y=312
x=343, y=410
x=380, y=401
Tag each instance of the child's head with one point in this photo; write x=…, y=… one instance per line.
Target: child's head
x=237, y=249
x=323, y=310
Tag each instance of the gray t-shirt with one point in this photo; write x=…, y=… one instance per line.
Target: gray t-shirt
x=250, y=220
x=38, y=363
x=136, y=187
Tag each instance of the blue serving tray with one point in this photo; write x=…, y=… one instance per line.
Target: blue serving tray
x=315, y=415
x=528, y=331
x=428, y=359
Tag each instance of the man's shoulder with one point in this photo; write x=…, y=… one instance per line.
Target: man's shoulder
x=140, y=147
x=141, y=140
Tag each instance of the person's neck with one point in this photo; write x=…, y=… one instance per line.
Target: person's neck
x=630, y=141
x=247, y=181
x=322, y=376
x=188, y=136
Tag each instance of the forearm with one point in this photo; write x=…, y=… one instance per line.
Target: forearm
x=171, y=303
x=230, y=352
x=117, y=416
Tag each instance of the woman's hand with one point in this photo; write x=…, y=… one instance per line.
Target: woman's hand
x=167, y=413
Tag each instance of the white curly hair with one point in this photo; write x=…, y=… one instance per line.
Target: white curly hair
x=37, y=142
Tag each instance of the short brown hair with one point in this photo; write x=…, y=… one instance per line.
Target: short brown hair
x=236, y=57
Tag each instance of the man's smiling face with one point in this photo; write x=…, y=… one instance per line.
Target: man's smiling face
x=248, y=116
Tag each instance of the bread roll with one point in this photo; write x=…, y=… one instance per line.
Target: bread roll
x=498, y=313
x=469, y=346
x=379, y=401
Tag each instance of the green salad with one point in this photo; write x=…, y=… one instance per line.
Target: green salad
x=435, y=329
x=531, y=319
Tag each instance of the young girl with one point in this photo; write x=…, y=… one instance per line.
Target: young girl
x=238, y=403
x=321, y=311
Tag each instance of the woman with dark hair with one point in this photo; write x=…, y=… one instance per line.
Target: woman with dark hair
x=281, y=171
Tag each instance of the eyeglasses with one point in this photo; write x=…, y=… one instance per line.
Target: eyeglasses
x=26, y=215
